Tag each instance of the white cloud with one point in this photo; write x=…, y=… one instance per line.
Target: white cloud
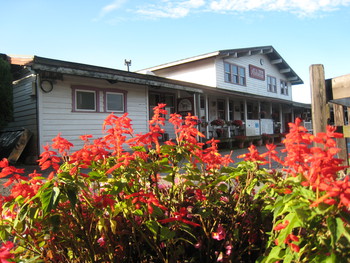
x=171, y=9
x=116, y=4
x=183, y=8
x=300, y=7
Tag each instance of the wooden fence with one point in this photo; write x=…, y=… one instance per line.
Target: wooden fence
x=326, y=94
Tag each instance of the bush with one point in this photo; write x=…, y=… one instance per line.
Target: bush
x=176, y=202
x=6, y=107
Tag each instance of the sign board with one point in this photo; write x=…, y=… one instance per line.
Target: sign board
x=256, y=73
x=185, y=106
x=266, y=126
x=252, y=127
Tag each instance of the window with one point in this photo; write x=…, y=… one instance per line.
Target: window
x=271, y=84
x=85, y=100
x=168, y=99
x=234, y=74
x=221, y=109
x=89, y=99
x=114, y=102
x=284, y=87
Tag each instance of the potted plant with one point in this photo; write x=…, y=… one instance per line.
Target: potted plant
x=218, y=122
x=258, y=141
x=266, y=138
x=237, y=123
x=249, y=141
x=240, y=139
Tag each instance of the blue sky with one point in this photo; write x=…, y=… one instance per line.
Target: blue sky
x=106, y=32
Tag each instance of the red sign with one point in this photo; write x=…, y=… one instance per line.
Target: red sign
x=256, y=73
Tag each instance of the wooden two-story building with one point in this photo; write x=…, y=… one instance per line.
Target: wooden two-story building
x=253, y=85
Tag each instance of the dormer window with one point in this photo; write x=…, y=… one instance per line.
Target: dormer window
x=235, y=74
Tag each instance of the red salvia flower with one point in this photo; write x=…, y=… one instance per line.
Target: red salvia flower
x=253, y=155
x=179, y=217
x=5, y=253
x=148, y=198
x=281, y=226
x=61, y=144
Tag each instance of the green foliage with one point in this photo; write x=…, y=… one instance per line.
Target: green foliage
x=176, y=202
x=6, y=105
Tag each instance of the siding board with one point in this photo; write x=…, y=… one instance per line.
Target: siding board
x=57, y=115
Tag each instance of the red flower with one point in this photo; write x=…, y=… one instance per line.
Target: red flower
x=147, y=198
x=179, y=217
x=281, y=226
x=253, y=155
x=61, y=144
x=5, y=253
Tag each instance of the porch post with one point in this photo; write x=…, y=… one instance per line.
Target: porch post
x=227, y=101
x=281, y=117
x=259, y=116
x=195, y=110
x=245, y=116
x=206, y=99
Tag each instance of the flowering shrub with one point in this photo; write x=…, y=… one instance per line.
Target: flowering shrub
x=218, y=122
x=127, y=198
x=237, y=123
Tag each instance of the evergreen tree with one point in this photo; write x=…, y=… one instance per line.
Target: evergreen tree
x=6, y=95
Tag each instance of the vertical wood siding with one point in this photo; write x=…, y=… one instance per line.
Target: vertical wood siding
x=25, y=111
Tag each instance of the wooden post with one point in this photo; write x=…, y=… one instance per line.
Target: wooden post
x=318, y=98
x=339, y=121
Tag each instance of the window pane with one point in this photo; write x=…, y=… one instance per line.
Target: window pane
x=227, y=67
x=115, y=102
x=241, y=80
x=227, y=77
x=242, y=71
x=235, y=69
x=85, y=100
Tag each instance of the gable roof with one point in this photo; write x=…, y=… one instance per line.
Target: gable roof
x=274, y=57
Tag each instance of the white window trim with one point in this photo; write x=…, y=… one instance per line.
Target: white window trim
x=87, y=91
x=274, y=87
x=106, y=102
x=239, y=76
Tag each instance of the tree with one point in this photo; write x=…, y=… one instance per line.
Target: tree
x=6, y=95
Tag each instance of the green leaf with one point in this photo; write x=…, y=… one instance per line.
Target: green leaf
x=96, y=175
x=331, y=223
x=55, y=221
x=294, y=222
x=166, y=234
x=72, y=196
x=275, y=254
x=49, y=197
x=153, y=226
x=341, y=230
